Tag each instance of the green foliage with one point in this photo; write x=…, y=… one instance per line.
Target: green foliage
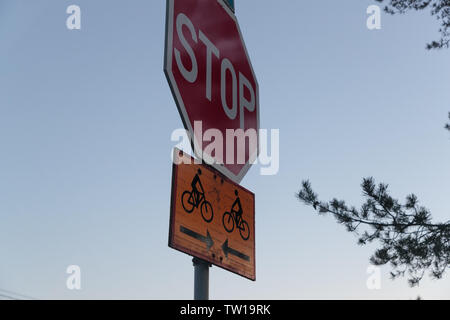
x=409, y=241
x=438, y=8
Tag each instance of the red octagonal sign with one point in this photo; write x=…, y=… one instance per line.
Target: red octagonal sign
x=213, y=83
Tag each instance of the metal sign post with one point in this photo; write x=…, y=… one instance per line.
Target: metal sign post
x=201, y=279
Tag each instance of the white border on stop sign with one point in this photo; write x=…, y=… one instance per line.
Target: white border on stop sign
x=168, y=54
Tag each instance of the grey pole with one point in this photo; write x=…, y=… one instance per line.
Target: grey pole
x=201, y=279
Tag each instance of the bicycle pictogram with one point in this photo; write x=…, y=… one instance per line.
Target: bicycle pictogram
x=196, y=197
x=234, y=218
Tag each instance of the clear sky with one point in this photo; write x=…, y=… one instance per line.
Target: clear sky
x=85, y=123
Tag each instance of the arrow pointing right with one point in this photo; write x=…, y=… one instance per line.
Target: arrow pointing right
x=228, y=250
x=207, y=240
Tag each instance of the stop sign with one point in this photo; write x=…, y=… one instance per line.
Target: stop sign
x=213, y=83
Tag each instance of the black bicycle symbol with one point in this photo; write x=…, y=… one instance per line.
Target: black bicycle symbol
x=196, y=197
x=234, y=217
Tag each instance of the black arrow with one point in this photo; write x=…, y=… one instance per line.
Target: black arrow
x=228, y=250
x=208, y=240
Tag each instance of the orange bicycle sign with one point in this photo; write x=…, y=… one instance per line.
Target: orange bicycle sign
x=212, y=218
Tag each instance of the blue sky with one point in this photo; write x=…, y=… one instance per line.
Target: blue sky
x=85, y=123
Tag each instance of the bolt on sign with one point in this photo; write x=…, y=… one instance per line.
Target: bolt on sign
x=213, y=83
x=212, y=218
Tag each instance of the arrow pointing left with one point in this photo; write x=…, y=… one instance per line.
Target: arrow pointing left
x=228, y=250
x=206, y=239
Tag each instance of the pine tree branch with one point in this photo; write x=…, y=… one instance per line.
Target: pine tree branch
x=409, y=240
